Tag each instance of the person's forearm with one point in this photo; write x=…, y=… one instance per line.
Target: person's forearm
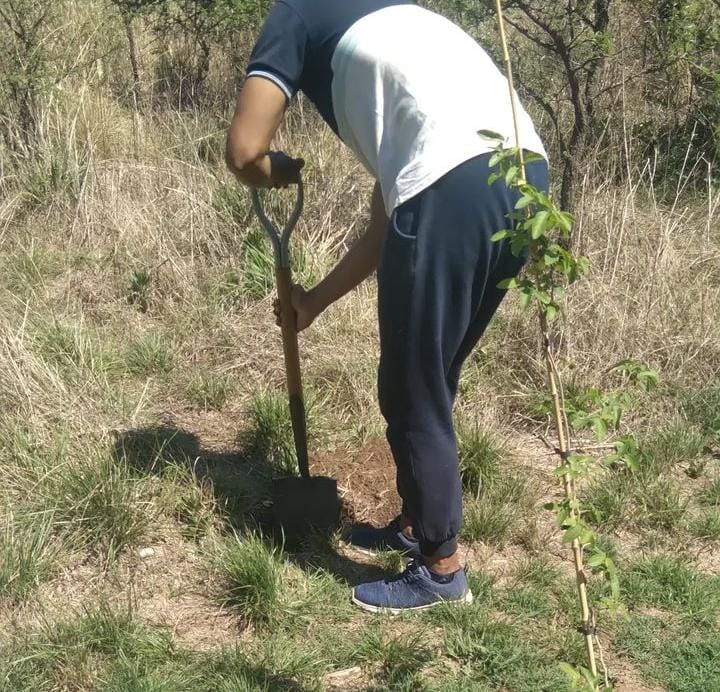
x=360, y=261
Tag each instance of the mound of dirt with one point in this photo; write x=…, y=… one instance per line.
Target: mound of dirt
x=366, y=481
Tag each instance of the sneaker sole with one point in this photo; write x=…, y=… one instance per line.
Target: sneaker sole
x=465, y=600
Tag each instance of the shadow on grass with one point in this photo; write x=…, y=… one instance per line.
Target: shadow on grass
x=241, y=484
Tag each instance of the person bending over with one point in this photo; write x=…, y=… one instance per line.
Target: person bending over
x=408, y=92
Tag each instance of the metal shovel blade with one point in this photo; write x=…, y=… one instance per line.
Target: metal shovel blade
x=302, y=506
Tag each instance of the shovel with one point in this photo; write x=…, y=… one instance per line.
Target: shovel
x=305, y=504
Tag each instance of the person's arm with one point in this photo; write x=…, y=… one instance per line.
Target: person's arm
x=360, y=261
x=259, y=111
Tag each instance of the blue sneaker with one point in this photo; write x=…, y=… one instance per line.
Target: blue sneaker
x=369, y=540
x=414, y=589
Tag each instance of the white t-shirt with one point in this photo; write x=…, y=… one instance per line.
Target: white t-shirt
x=406, y=89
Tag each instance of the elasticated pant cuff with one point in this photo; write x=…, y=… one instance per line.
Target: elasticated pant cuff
x=439, y=550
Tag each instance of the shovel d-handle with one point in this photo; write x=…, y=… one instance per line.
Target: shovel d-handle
x=288, y=322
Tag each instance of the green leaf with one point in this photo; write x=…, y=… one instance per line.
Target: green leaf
x=524, y=202
x=572, y=533
x=597, y=560
x=600, y=428
x=493, y=136
x=538, y=224
x=499, y=236
x=509, y=283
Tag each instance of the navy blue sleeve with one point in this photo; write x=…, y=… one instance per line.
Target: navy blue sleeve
x=279, y=54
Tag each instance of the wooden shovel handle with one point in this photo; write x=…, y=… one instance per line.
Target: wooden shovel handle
x=288, y=322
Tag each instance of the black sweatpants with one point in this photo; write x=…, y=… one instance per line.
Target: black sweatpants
x=437, y=290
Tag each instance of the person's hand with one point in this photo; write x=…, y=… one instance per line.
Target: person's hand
x=284, y=170
x=303, y=304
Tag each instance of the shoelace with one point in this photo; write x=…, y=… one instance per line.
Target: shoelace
x=411, y=574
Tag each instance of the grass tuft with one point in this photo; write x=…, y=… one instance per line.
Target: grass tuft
x=401, y=658
x=702, y=408
x=669, y=581
x=28, y=554
x=671, y=446
x=97, y=500
x=480, y=457
x=706, y=527
x=151, y=355
x=209, y=390
x=252, y=573
x=491, y=516
x=711, y=494
x=271, y=438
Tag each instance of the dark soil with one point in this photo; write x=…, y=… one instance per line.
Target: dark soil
x=366, y=481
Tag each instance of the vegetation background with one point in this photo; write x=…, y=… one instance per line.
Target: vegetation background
x=141, y=381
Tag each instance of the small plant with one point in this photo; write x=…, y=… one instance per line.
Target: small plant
x=541, y=231
x=151, y=355
x=209, y=390
x=138, y=289
x=252, y=572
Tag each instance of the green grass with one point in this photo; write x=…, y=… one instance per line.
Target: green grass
x=498, y=655
x=97, y=500
x=660, y=506
x=76, y=351
x=150, y=355
x=711, y=494
x=618, y=499
x=258, y=265
x=481, y=455
x=706, y=527
x=252, y=571
x=492, y=516
x=702, y=408
x=270, y=438
x=672, y=446
x=209, y=390
x=670, y=582
x=30, y=265
x=675, y=659
x=29, y=554
x=609, y=498
x=537, y=571
x=401, y=658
